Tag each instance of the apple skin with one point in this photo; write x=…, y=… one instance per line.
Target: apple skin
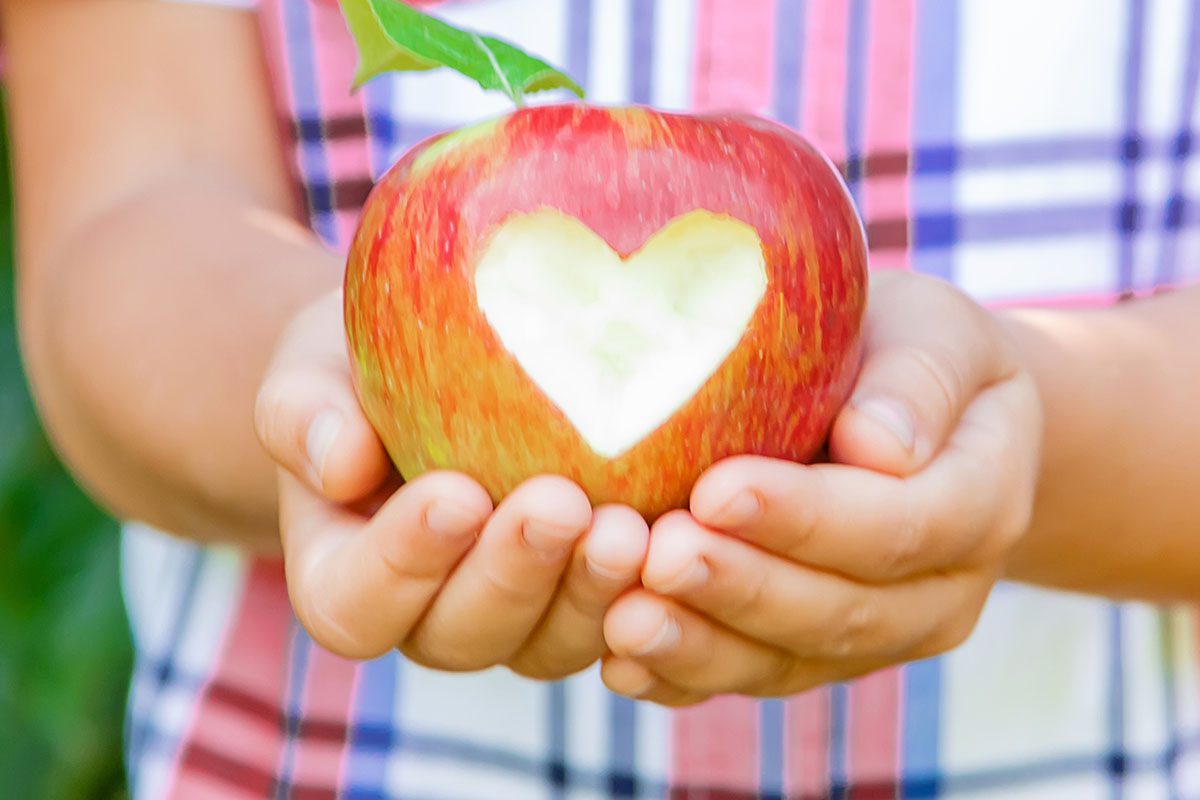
x=443, y=393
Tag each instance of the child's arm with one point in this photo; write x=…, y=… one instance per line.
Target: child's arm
x=158, y=253
x=161, y=268
x=1118, y=502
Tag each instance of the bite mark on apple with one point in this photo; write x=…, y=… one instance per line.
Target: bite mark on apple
x=618, y=345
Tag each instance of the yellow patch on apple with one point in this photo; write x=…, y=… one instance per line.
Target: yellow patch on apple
x=619, y=344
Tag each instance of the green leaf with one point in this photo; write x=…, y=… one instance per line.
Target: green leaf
x=392, y=36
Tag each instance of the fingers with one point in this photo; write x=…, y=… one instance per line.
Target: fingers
x=732, y=619
x=685, y=650
x=627, y=677
x=974, y=497
x=928, y=353
x=360, y=584
x=307, y=415
x=605, y=563
x=832, y=517
x=808, y=613
x=500, y=591
x=696, y=659
x=454, y=588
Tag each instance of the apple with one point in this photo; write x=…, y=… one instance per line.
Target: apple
x=618, y=295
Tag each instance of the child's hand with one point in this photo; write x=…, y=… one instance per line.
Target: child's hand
x=428, y=567
x=785, y=576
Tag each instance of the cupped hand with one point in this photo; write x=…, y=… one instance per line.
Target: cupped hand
x=429, y=566
x=782, y=577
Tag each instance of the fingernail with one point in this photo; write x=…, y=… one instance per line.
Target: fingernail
x=321, y=434
x=692, y=577
x=664, y=639
x=547, y=538
x=893, y=416
x=447, y=519
x=743, y=509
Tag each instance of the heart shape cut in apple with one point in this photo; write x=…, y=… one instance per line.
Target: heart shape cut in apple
x=619, y=296
x=620, y=344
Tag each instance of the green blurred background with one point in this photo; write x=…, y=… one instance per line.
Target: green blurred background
x=64, y=644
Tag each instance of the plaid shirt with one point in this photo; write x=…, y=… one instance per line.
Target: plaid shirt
x=1027, y=151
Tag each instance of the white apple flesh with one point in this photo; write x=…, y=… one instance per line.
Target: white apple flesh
x=619, y=345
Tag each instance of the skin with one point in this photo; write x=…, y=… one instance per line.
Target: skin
x=148, y=339
x=430, y=567
x=800, y=587
x=118, y=189
x=1048, y=446
x=795, y=578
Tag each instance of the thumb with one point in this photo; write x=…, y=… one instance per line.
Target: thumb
x=929, y=350
x=307, y=415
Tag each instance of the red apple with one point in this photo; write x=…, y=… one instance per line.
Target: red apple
x=620, y=296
